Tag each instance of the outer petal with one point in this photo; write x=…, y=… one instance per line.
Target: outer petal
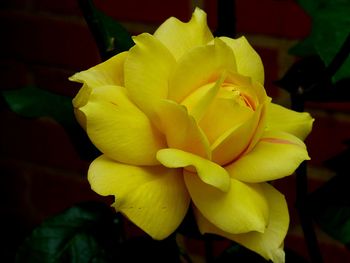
x=147, y=70
x=154, y=198
x=180, y=37
x=119, y=129
x=268, y=244
x=209, y=172
x=243, y=208
x=181, y=130
x=248, y=61
x=276, y=155
x=283, y=119
x=198, y=67
x=110, y=72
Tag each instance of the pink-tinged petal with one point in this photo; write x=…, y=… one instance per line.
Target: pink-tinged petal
x=181, y=37
x=200, y=66
x=276, y=155
x=180, y=129
x=241, y=209
x=110, y=72
x=235, y=141
x=154, y=198
x=248, y=61
x=147, y=70
x=209, y=172
x=282, y=119
x=268, y=244
x=119, y=129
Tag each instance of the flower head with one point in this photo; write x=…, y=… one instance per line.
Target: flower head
x=183, y=118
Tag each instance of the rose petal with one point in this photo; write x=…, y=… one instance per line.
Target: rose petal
x=154, y=198
x=181, y=130
x=222, y=115
x=242, y=209
x=199, y=101
x=119, y=129
x=282, y=119
x=200, y=66
x=180, y=37
x=276, y=155
x=209, y=172
x=248, y=61
x=268, y=244
x=147, y=70
x=235, y=141
x=110, y=72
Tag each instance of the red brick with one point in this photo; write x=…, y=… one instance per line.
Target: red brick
x=55, y=80
x=47, y=40
x=36, y=191
x=39, y=141
x=331, y=250
x=62, y=7
x=269, y=58
x=16, y=4
x=327, y=137
x=270, y=17
x=329, y=106
x=14, y=74
x=152, y=11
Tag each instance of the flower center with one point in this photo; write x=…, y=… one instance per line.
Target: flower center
x=229, y=91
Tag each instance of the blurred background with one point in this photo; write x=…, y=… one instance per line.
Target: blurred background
x=42, y=43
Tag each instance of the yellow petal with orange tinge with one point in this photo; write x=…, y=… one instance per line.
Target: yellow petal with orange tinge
x=248, y=61
x=110, y=72
x=154, y=198
x=276, y=155
x=180, y=129
x=209, y=172
x=180, y=37
x=241, y=209
x=119, y=129
x=283, y=119
x=236, y=140
x=147, y=69
x=199, y=101
x=268, y=244
x=223, y=115
x=200, y=66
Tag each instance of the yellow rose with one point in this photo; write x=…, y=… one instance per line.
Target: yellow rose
x=182, y=117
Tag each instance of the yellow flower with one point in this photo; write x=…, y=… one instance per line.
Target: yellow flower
x=182, y=117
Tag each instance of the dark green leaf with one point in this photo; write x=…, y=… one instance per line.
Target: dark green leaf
x=330, y=207
x=32, y=102
x=110, y=36
x=330, y=27
x=89, y=232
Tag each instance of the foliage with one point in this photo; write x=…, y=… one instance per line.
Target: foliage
x=330, y=28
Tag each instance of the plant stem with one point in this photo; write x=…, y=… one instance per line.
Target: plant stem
x=302, y=197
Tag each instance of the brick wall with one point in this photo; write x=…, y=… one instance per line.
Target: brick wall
x=44, y=42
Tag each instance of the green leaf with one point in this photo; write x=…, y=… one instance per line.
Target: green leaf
x=32, y=102
x=330, y=27
x=110, y=36
x=330, y=207
x=89, y=232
